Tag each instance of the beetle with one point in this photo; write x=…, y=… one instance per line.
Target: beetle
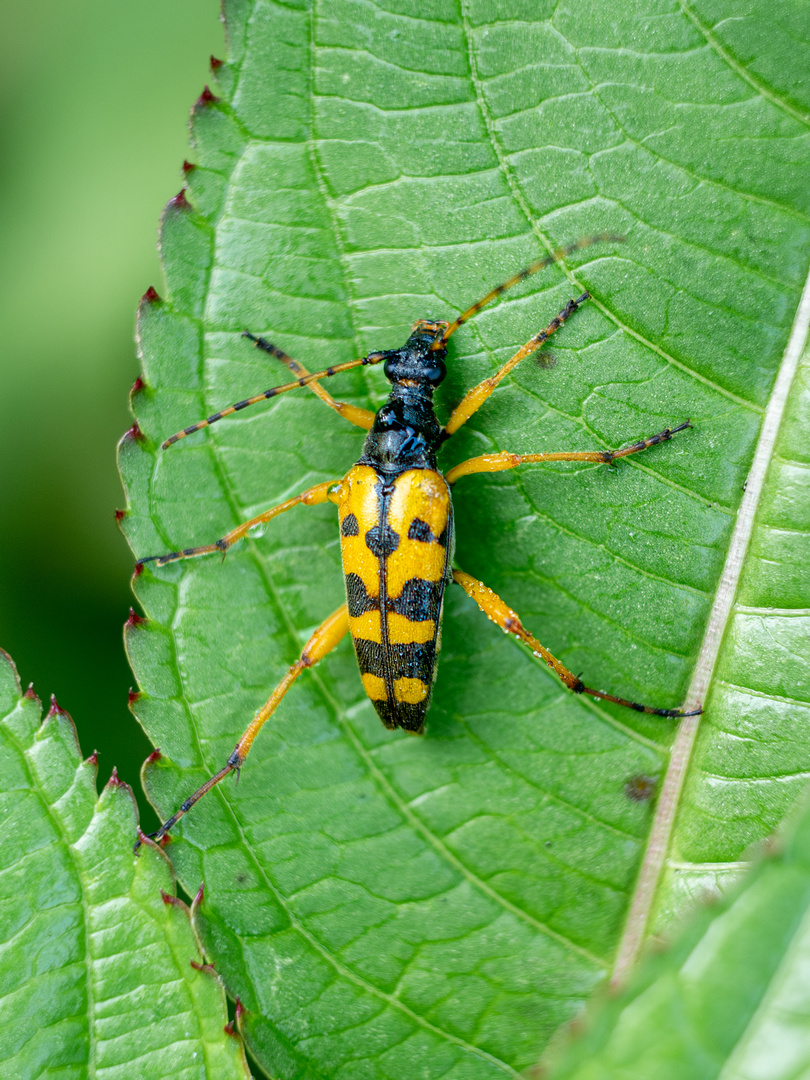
x=396, y=525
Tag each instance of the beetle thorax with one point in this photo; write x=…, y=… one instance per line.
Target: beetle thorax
x=406, y=433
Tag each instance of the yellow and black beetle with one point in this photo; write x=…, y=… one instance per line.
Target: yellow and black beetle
x=396, y=526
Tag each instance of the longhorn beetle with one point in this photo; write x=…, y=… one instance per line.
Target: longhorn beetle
x=396, y=525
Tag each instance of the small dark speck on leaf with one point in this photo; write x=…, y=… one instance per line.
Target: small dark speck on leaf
x=641, y=788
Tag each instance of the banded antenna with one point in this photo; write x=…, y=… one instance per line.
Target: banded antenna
x=305, y=380
x=541, y=264
x=376, y=357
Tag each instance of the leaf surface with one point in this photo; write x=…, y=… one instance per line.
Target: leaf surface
x=385, y=905
x=96, y=955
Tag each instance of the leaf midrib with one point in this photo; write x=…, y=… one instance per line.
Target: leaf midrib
x=660, y=835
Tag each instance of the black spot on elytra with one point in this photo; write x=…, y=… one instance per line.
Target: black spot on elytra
x=359, y=601
x=381, y=540
x=349, y=526
x=412, y=661
x=420, y=530
x=419, y=600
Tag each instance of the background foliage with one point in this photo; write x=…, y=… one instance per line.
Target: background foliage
x=94, y=132
x=100, y=972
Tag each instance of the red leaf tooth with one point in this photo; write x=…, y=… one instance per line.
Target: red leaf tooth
x=29, y=693
x=154, y=756
x=172, y=901
x=120, y=515
x=188, y=166
x=114, y=781
x=134, y=620
x=138, y=385
x=134, y=433
x=150, y=296
x=93, y=759
x=56, y=709
x=209, y=968
x=216, y=64
x=206, y=97
x=132, y=697
x=198, y=899
x=180, y=202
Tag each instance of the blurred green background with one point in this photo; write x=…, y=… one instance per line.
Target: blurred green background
x=95, y=103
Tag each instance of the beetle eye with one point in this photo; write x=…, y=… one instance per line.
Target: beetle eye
x=436, y=373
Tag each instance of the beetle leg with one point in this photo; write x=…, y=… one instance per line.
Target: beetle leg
x=328, y=635
x=321, y=493
x=496, y=610
x=505, y=460
x=475, y=398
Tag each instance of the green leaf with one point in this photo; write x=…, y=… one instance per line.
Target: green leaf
x=729, y=999
x=96, y=976
x=383, y=905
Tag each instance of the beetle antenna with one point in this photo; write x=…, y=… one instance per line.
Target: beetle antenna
x=305, y=380
x=541, y=264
